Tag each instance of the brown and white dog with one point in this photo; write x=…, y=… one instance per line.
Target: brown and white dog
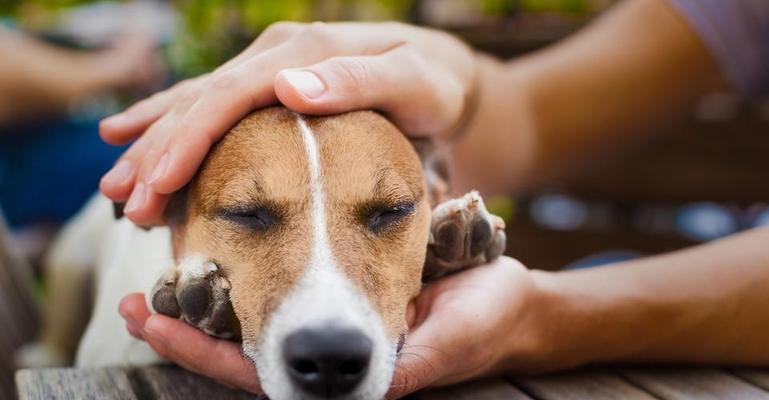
x=304, y=237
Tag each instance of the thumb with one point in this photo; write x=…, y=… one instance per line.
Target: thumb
x=419, y=99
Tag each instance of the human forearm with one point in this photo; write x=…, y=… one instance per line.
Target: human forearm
x=702, y=305
x=632, y=69
x=35, y=76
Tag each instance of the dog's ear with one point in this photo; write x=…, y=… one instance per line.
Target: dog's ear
x=117, y=209
x=435, y=158
x=175, y=214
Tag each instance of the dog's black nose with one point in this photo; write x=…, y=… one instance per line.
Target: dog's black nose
x=327, y=361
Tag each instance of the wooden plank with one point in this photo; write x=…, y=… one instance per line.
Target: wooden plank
x=173, y=383
x=581, y=384
x=492, y=389
x=678, y=383
x=71, y=383
x=758, y=377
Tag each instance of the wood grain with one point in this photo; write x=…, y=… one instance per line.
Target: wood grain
x=582, y=384
x=70, y=383
x=173, y=383
x=678, y=383
x=758, y=377
x=493, y=389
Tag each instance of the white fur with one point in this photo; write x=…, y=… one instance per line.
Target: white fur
x=322, y=296
x=195, y=266
x=129, y=260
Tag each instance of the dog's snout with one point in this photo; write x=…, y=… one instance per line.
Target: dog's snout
x=327, y=361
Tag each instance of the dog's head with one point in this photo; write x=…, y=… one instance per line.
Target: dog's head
x=320, y=225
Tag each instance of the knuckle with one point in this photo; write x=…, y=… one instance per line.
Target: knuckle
x=189, y=94
x=355, y=73
x=223, y=80
x=317, y=32
x=279, y=30
x=414, y=59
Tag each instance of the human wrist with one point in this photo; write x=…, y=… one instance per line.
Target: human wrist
x=494, y=151
x=570, y=325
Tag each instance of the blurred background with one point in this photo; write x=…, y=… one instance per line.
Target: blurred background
x=65, y=64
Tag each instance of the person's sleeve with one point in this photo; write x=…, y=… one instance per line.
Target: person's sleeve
x=737, y=34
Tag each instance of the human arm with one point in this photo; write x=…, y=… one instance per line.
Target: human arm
x=636, y=67
x=704, y=305
x=36, y=77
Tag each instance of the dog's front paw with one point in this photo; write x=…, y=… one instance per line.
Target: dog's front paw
x=198, y=293
x=463, y=233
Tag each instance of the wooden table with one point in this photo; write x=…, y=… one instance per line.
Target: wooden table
x=170, y=383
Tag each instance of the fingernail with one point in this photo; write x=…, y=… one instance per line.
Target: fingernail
x=121, y=172
x=160, y=169
x=305, y=82
x=117, y=119
x=136, y=200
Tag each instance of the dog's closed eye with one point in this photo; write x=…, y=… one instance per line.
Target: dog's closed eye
x=256, y=218
x=381, y=217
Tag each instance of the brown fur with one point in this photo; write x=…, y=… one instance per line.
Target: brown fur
x=365, y=161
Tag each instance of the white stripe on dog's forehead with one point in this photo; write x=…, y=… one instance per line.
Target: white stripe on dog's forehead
x=323, y=295
x=321, y=251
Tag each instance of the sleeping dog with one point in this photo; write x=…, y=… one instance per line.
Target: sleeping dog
x=304, y=237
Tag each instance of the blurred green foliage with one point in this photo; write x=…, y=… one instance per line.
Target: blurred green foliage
x=214, y=31
x=573, y=6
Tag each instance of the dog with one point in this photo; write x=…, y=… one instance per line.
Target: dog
x=306, y=238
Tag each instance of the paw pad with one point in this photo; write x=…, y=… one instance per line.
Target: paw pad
x=463, y=234
x=197, y=292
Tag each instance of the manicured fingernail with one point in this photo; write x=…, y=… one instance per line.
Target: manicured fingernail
x=305, y=82
x=160, y=169
x=121, y=172
x=136, y=200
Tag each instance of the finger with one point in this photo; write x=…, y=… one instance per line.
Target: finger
x=129, y=124
x=119, y=182
x=134, y=330
x=134, y=310
x=274, y=35
x=229, y=96
x=420, y=99
x=424, y=359
x=145, y=207
x=133, y=307
x=196, y=351
x=419, y=365
x=125, y=126
x=233, y=93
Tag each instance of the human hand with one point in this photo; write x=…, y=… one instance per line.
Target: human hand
x=474, y=323
x=193, y=349
x=420, y=78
